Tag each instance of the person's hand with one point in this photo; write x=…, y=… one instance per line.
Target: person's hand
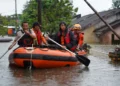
x=10, y=47
x=78, y=47
x=63, y=46
x=46, y=37
x=47, y=44
x=27, y=32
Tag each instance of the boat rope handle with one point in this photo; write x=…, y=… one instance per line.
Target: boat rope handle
x=31, y=57
x=30, y=68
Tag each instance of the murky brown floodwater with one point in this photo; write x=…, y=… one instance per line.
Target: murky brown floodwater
x=101, y=72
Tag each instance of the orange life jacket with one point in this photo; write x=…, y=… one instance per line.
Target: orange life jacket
x=40, y=37
x=79, y=37
x=66, y=40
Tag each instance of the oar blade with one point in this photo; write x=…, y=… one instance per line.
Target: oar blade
x=84, y=60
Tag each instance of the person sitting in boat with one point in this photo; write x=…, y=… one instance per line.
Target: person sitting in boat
x=79, y=36
x=65, y=37
x=26, y=39
x=40, y=37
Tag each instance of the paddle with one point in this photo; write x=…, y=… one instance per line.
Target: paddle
x=81, y=58
x=12, y=45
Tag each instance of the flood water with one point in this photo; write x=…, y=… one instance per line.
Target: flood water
x=101, y=71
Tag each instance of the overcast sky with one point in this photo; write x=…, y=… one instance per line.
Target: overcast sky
x=7, y=7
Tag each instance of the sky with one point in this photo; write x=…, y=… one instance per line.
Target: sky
x=7, y=7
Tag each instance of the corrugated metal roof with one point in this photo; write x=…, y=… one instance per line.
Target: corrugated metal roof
x=93, y=19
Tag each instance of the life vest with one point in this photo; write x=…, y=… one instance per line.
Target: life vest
x=38, y=35
x=66, y=40
x=26, y=40
x=79, y=38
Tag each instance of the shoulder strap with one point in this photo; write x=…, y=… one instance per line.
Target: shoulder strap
x=30, y=31
x=20, y=31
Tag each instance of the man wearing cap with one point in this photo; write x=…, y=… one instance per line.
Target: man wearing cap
x=78, y=35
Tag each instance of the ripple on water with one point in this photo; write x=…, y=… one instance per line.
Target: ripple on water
x=101, y=72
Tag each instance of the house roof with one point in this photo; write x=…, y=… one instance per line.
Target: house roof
x=103, y=29
x=93, y=19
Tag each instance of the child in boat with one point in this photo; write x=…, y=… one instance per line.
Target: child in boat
x=39, y=36
x=26, y=39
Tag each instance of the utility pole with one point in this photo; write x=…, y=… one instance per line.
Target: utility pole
x=16, y=15
x=107, y=24
x=39, y=11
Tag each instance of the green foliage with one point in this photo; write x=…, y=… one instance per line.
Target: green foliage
x=3, y=21
x=53, y=12
x=116, y=4
x=11, y=20
x=3, y=30
x=7, y=21
x=30, y=12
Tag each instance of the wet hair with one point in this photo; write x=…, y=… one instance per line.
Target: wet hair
x=65, y=26
x=23, y=23
x=36, y=24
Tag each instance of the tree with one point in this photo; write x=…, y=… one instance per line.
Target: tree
x=3, y=30
x=30, y=12
x=116, y=3
x=53, y=12
x=6, y=21
x=3, y=22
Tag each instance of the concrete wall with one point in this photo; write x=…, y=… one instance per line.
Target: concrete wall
x=89, y=36
x=106, y=38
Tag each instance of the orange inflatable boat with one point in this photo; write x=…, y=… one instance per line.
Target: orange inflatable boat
x=42, y=57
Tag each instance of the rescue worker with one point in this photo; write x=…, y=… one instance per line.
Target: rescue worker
x=79, y=36
x=26, y=39
x=65, y=37
x=39, y=36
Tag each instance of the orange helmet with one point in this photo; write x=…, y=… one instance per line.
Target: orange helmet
x=77, y=27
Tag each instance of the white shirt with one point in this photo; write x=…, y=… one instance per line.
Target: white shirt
x=20, y=34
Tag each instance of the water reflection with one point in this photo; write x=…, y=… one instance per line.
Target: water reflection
x=47, y=77
x=116, y=64
x=101, y=72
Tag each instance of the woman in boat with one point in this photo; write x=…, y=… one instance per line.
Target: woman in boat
x=79, y=36
x=65, y=37
x=26, y=39
x=39, y=36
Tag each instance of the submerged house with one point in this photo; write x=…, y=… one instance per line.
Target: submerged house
x=95, y=30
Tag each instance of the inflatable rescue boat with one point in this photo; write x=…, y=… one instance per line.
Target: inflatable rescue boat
x=43, y=57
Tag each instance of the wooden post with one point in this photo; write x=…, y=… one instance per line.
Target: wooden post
x=39, y=12
x=16, y=19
